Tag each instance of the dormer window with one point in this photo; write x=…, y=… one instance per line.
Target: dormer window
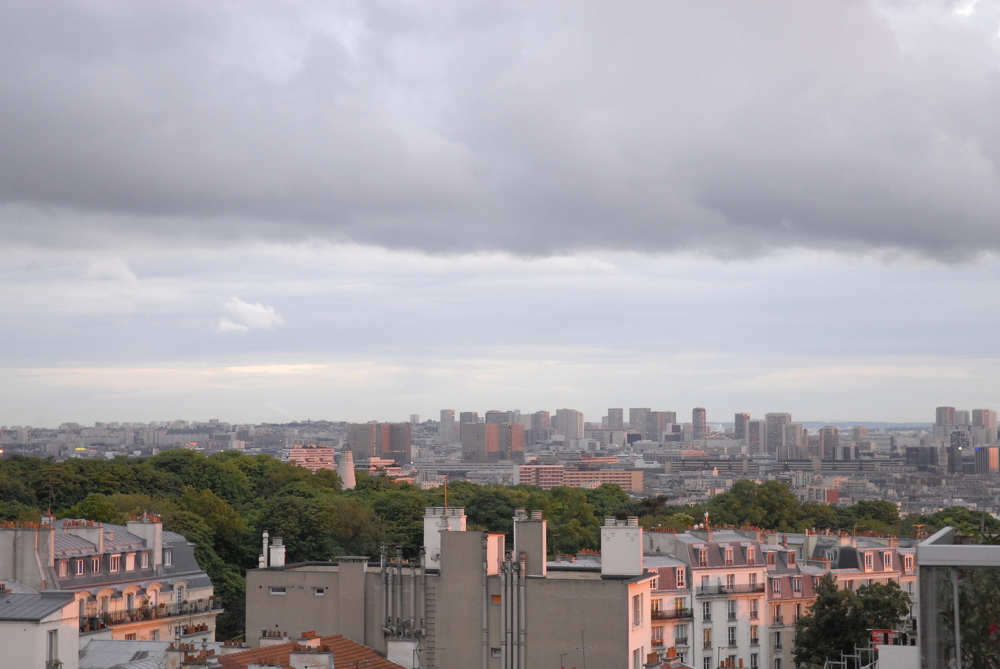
x=791, y=557
x=869, y=561
x=750, y=555
x=908, y=562
x=796, y=585
x=115, y=564
x=702, y=557
x=145, y=560
x=770, y=559
x=729, y=557
x=168, y=558
x=680, y=577
x=95, y=565
x=887, y=560
x=79, y=567
x=63, y=568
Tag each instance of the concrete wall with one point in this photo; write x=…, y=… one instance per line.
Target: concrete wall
x=459, y=624
x=26, y=556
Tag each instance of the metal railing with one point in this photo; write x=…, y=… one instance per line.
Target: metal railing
x=681, y=641
x=707, y=644
x=99, y=621
x=672, y=614
x=706, y=618
x=778, y=620
x=722, y=589
x=754, y=641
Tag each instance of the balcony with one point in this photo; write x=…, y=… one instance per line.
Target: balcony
x=778, y=620
x=657, y=643
x=777, y=646
x=732, y=615
x=675, y=614
x=706, y=618
x=101, y=621
x=744, y=589
x=754, y=641
x=707, y=645
x=681, y=641
x=753, y=615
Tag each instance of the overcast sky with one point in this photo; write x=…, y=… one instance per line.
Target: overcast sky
x=272, y=211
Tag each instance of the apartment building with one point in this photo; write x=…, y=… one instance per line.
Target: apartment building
x=129, y=582
x=482, y=605
x=38, y=629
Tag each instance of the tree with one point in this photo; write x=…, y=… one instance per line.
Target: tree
x=839, y=620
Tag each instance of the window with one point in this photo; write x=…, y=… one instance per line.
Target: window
x=770, y=559
x=729, y=557
x=680, y=635
x=702, y=557
x=887, y=560
x=731, y=606
x=63, y=568
x=732, y=636
x=796, y=585
x=83, y=607
x=679, y=576
x=750, y=554
x=637, y=658
x=777, y=614
x=680, y=657
x=798, y=612
x=909, y=590
x=706, y=663
x=777, y=640
x=679, y=604
x=654, y=584
x=95, y=565
x=180, y=594
x=706, y=611
x=849, y=585
x=753, y=661
x=869, y=561
x=319, y=592
x=753, y=609
x=658, y=633
x=706, y=638
x=130, y=562
x=168, y=558
x=129, y=601
x=908, y=562
x=754, y=639
x=276, y=590
x=871, y=581
x=52, y=646
x=775, y=586
x=495, y=652
x=777, y=663
x=753, y=580
x=131, y=637
x=115, y=564
x=79, y=567
x=730, y=581
x=154, y=635
x=704, y=584
x=790, y=557
x=636, y=610
x=145, y=561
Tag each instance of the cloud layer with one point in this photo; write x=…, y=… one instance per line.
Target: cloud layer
x=243, y=316
x=529, y=127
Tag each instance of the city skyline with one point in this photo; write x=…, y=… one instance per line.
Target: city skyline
x=272, y=213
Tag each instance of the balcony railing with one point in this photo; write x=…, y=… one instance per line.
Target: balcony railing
x=732, y=615
x=777, y=646
x=754, y=641
x=730, y=589
x=657, y=643
x=681, y=641
x=706, y=617
x=753, y=615
x=778, y=620
x=672, y=614
x=707, y=644
x=101, y=621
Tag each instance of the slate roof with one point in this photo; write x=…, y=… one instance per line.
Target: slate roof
x=34, y=607
x=105, y=653
x=345, y=654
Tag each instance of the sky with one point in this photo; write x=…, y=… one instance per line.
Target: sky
x=264, y=211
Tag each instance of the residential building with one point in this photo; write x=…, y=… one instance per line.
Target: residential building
x=446, y=428
x=776, y=430
x=569, y=423
x=741, y=424
x=616, y=419
x=311, y=457
x=137, y=581
x=480, y=442
x=466, y=418
x=38, y=629
x=756, y=437
x=698, y=423
x=987, y=460
x=361, y=439
x=503, y=417
x=395, y=442
x=829, y=442
x=944, y=416
x=510, y=442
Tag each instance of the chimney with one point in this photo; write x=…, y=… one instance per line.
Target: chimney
x=277, y=552
x=621, y=547
x=149, y=527
x=262, y=560
x=530, y=538
x=310, y=639
x=272, y=638
x=310, y=657
x=436, y=520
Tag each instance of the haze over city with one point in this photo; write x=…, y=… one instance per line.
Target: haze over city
x=259, y=212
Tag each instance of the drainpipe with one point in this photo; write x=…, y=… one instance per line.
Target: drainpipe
x=523, y=615
x=413, y=598
x=385, y=589
x=423, y=593
x=399, y=586
x=486, y=632
x=514, y=617
x=504, y=601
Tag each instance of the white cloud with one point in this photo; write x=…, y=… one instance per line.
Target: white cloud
x=244, y=316
x=111, y=269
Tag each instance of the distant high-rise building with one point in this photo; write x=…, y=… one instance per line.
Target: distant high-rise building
x=670, y=417
x=510, y=442
x=397, y=442
x=654, y=425
x=446, y=428
x=637, y=420
x=960, y=445
x=414, y=418
x=466, y=418
x=740, y=427
x=756, y=436
x=361, y=439
x=540, y=420
x=985, y=418
x=963, y=417
x=503, y=417
x=829, y=442
x=345, y=468
x=616, y=419
x=793, y=443
x=569, y=423
x=480, y=442
x=945, y=416
x=698, y=423
x=858, y=433
x=987, y=460
x=776, y=430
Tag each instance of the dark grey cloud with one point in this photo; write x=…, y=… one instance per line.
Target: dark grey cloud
x=529, y=127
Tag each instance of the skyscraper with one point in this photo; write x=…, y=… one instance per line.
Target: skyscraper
x=361, y=439
x=776, y=430
x=503, y=417
x=963, y=417
x=794, y=443
x=466, y=418
x=740, y=428
x=510, y=442
x=540, y=420
x=829, y=442
x=616, y=419
x=481, y=442
x=655, y=424
x=945, y=416
x=637, y=420
x=985, y=418
x=987, y=460
x=756, y=436
x=960, y=445
x=397, y=440
x=700, y=428
x=446, y=428
x=569, y=423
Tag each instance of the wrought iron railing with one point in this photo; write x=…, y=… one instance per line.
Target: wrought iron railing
x=99, y=621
